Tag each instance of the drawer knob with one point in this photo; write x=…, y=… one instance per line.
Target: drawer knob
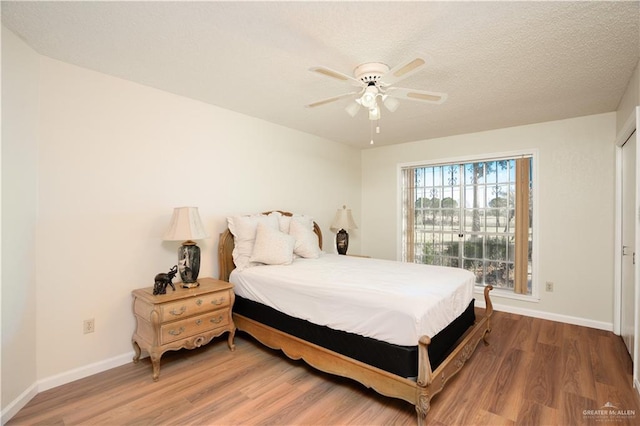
x=176, y=332
x=199, y=302
x=198, y=321
x=217, y=320
x=218, y=302
x=178, y=312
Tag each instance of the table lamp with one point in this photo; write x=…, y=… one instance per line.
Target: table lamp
x=186, y=226
x=342, y=223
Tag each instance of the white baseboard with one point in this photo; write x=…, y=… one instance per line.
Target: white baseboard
x=17, y=404
x=61, y=379
x=607, y=326
x=84, y=371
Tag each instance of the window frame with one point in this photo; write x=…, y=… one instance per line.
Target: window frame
x=533, y=153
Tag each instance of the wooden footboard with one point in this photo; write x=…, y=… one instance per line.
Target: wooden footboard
x=418, y=393
x=328, y=361
x=429, y=382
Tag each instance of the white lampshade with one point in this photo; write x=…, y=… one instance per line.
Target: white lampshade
x=368, y=99
x=390, y=103
x=343, y=220
x=185, y=225
x=353, y=108
x=374, y=113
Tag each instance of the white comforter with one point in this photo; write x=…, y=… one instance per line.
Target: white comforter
x=391, y=301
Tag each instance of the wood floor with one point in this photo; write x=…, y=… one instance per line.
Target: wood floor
x=534, y=372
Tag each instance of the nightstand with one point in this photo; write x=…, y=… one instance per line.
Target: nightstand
x=184, y=318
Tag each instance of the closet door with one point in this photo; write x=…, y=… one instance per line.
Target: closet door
x=628, y=293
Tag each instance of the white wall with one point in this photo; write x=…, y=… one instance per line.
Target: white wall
x=115, y=158
x=576, y=194
x=111, y=161
x=19, y=161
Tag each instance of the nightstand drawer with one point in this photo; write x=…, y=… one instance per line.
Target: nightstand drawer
x=194, y=325
x=193, y=306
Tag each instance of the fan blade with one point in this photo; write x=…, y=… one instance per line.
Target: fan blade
x=327, y=72
x=417, y=95
x=329, y=100
x=402, y=71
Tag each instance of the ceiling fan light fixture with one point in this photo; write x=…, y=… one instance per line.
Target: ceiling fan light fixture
x=368, y=99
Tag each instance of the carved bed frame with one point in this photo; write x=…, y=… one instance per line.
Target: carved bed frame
x=418, y=392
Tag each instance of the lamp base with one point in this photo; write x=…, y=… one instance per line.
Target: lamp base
x=342, y=241
x=189, y=263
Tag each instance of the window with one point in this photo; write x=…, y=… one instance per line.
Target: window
x=473, y=215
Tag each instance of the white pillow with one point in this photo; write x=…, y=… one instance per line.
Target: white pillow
x=243, y=229
x=306, y=240
x=285, y=222
x=272, y=247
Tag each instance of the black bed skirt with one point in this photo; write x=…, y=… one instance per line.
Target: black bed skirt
x=399, y=360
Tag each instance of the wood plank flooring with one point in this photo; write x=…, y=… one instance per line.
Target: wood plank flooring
x=534, y=372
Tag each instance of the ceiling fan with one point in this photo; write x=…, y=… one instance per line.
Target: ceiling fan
x=376, y=85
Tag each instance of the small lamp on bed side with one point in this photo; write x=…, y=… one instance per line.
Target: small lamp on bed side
x=186, y=226
x=342, y=223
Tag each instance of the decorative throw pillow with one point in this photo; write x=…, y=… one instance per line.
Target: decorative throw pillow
x=306, y=240
x=284, y=222
x=244, y=229
x=272, y=247
x=306, y=221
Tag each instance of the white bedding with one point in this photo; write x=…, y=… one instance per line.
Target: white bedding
x=391, y=301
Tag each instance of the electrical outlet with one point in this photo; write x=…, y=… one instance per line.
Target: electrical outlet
x=89, y=326
x=549, y=286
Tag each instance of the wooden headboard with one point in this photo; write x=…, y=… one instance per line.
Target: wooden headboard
x=225, y=248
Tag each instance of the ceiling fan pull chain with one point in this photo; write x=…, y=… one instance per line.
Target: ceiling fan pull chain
x=371, y=132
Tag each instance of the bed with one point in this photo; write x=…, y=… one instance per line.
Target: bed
x=394, y=357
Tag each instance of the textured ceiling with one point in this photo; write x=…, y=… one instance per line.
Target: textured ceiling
x=501, y=63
